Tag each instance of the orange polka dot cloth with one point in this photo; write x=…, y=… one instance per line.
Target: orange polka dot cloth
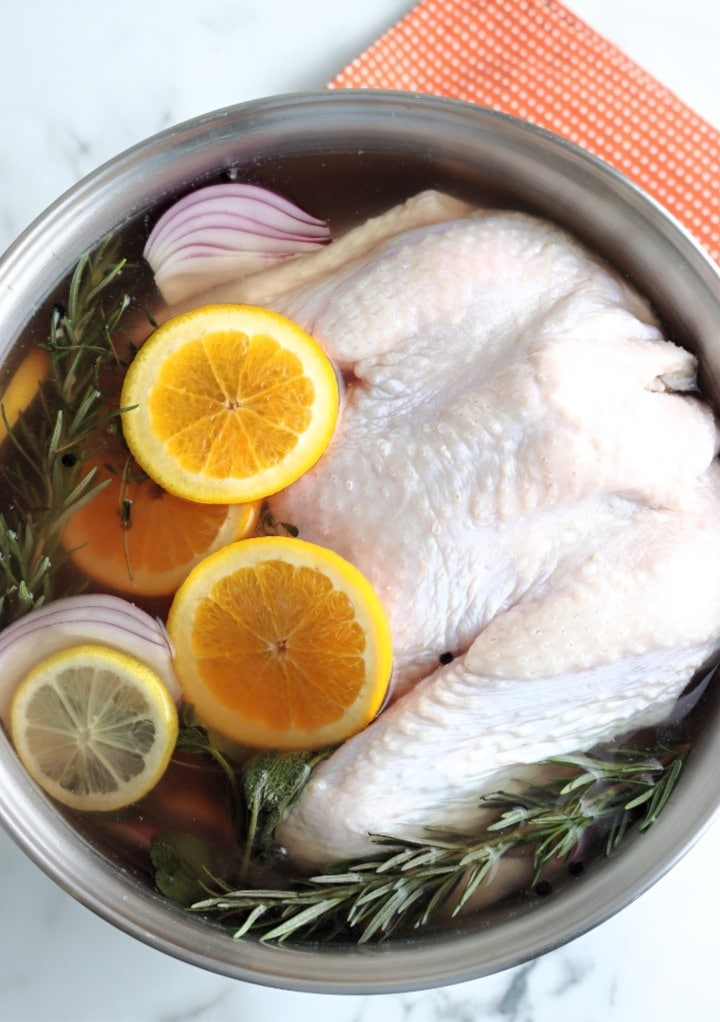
x=536, y=60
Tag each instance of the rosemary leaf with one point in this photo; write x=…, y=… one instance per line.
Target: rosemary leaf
x=478, y=875
x=661, y=792
x=252, y=920
x=639, y=800
x=303, y=919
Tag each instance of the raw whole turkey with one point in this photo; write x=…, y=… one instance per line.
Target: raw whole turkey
x=525, y=472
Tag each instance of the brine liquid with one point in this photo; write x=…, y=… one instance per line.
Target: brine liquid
x=193, y=796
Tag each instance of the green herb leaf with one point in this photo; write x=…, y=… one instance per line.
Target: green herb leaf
x=271, y=781
x=183, y=864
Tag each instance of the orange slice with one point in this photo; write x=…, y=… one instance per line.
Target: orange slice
x=23, y=388
x=134, y=537
x=229, y=403
x=281, y=644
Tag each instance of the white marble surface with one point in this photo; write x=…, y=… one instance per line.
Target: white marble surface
x=81, y=81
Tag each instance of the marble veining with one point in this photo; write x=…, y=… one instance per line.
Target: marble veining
x=82, y=81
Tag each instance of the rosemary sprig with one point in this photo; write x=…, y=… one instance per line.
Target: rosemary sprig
x=411, y=881
x=49, y=481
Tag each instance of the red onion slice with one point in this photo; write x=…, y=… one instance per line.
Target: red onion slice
x=222, y=232
x=106, y=620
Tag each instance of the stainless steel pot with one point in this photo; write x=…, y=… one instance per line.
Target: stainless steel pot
x=360, y=148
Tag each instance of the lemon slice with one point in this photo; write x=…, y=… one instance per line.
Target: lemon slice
x=94, y=727
x=281, y=643
x=229, y=404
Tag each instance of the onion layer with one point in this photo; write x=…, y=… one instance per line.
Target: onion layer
x=225, y=231
x=107, y=620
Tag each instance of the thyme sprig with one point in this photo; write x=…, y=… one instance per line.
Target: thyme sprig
x=411, y=882
x=49, y=480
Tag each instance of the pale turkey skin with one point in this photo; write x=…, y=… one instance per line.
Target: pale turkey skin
x=524, y=473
